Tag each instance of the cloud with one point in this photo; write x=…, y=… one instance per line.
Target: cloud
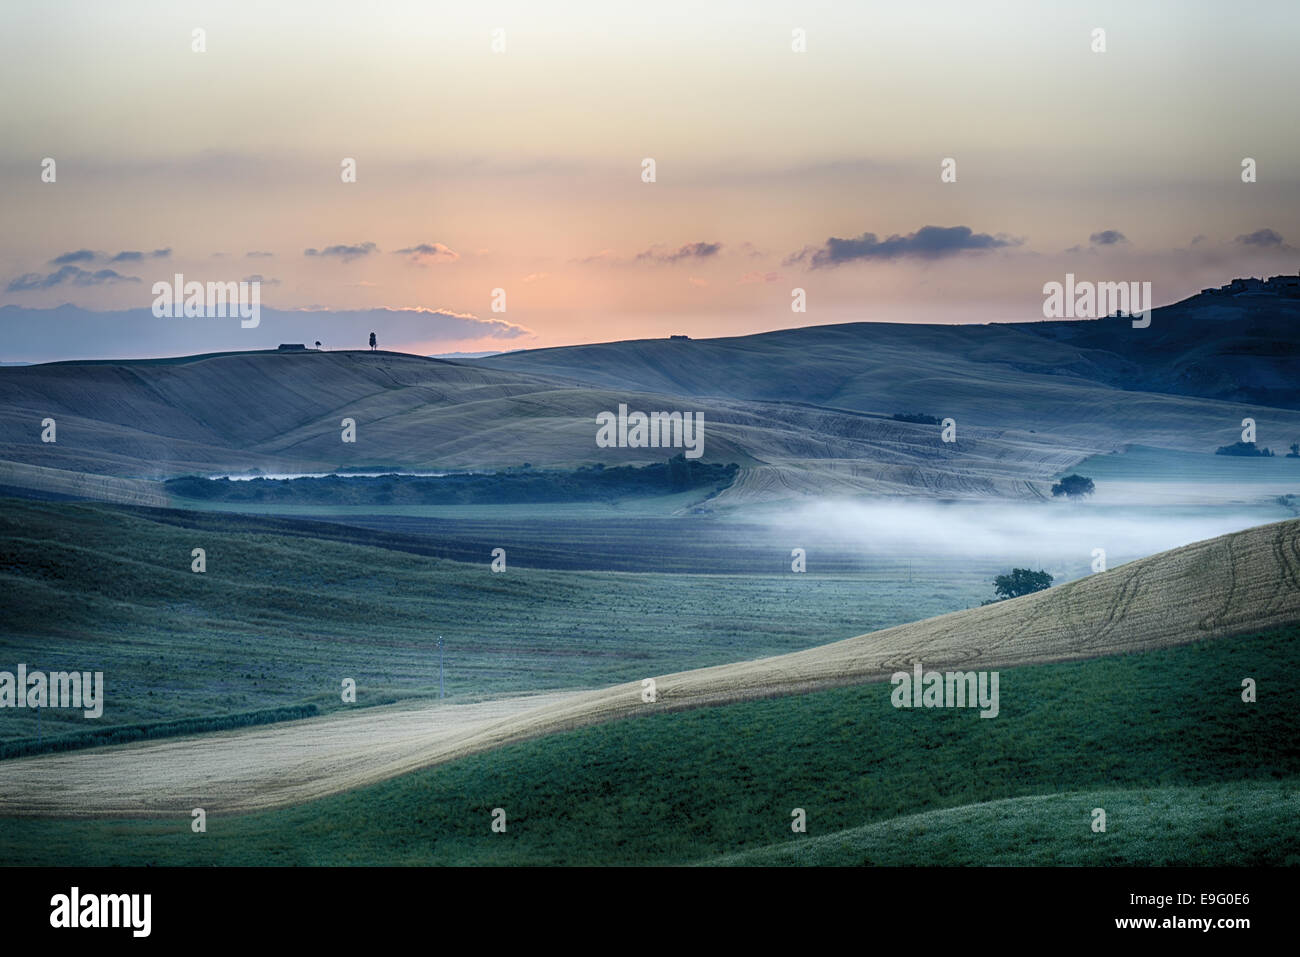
x=125, y=256
x=259, y=278
x=68, y=332
x=752, y=277
x=698, y=283
x=414, y=322
x=1263, y=239
x=424, y=252
x=689, y=251
x=344, y=252
x=1107, y=237
x=535, y=277
x=928, y=242
x=604, y=256
x=79, y=256
x=67, y=274
x=258, y=254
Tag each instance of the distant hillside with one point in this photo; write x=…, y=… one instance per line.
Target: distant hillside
x=1243, y=350
x=810, y=411
x=282, y=413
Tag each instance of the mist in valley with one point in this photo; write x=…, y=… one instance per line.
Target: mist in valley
x=1058, y=536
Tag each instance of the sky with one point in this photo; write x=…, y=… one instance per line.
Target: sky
x=521, y=168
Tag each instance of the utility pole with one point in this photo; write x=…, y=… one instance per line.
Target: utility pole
x=440, y=687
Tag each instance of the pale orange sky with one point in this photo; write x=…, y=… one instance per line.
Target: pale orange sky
x=522, y=169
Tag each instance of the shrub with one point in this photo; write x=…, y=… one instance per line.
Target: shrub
x=1073, y=486
x=1021, y=581
x=1247, y=449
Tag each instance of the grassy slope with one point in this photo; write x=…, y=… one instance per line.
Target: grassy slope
x=688, y=787
x=280, y=617
x=1212, y=589
x=1234, y=823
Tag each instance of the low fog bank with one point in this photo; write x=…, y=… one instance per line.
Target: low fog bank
x=1061, y=534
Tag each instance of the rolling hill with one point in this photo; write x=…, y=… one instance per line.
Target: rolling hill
x=1238, y=583
x=1243, y=350
x=1187, y=772
x=804, y=412
x=1043, y=831
x=282, y=413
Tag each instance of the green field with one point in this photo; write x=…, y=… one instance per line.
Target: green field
x=626, y=507
x=1179, y=482
x=1188, y=773
x=1140, y=462
x=593, y=483
x=1244, y=823
x=281, y=616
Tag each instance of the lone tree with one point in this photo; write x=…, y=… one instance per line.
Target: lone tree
x=1295, y=451
x=317, y=343
x=1021, y=581
x=1073, y=486
x=372, y=342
